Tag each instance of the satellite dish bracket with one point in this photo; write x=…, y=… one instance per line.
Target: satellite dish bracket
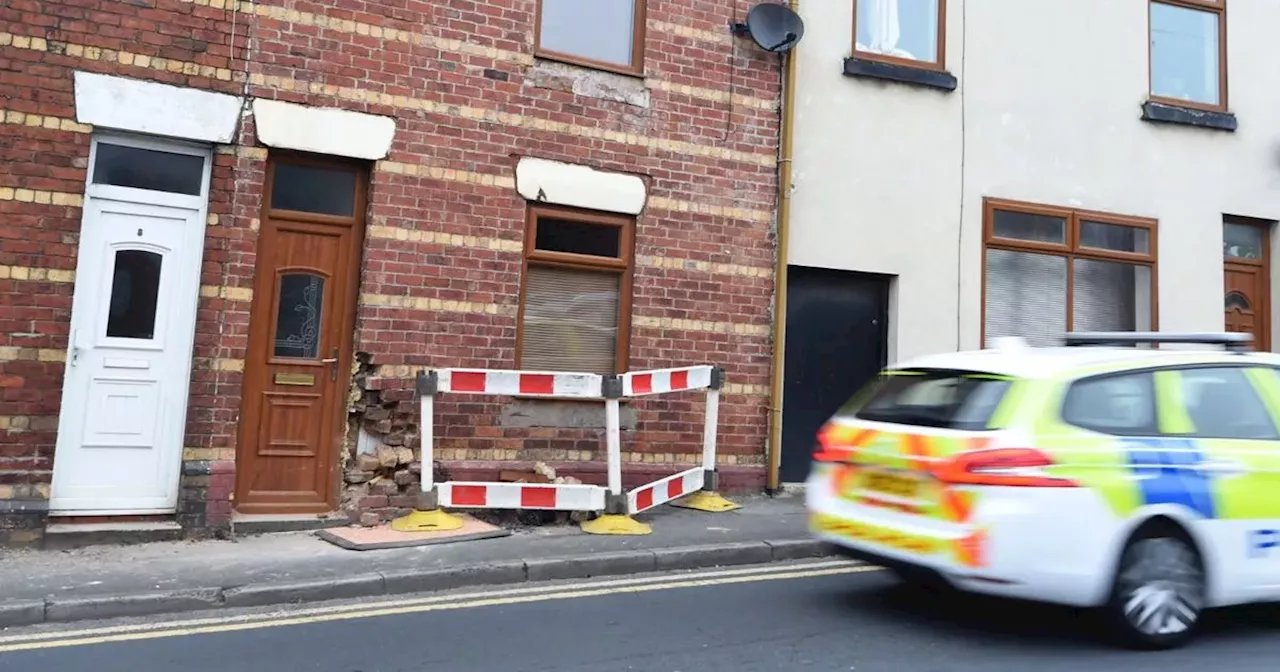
x=786, y=40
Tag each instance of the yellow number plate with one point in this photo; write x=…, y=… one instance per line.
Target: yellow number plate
x=891, y=484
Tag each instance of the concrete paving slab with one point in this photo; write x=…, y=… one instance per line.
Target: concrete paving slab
x=383, y=537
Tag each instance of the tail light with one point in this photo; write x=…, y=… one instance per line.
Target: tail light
x=1009, y=467
x=835, y=443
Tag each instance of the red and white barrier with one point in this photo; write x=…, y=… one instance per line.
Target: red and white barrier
x=479, y=495
x=521, y=383
x=466, y=495
x=665, y=490
x=576, y=497
x=661, y=381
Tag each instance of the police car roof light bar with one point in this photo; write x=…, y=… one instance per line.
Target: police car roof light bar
x=1229, y=340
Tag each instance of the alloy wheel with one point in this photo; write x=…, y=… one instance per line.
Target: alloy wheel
x=1160, y=589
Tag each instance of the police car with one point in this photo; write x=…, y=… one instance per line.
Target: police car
x=1102, y=473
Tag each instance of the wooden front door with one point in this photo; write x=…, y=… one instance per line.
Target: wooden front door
x=298, y=364
x=1246, y=265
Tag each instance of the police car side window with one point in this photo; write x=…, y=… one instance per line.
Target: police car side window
x=1122, y=404
x=1223, y=404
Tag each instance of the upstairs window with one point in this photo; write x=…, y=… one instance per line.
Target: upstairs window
x=1189, y=53
x=907, y=32
x=603, y=34
x=575, y=301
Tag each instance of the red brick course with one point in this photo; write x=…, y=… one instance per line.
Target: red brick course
x=43, y=41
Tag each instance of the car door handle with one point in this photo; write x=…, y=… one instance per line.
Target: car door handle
x=1221, y=467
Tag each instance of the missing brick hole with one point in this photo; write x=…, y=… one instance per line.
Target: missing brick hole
x=381, y=471
x=381, y=464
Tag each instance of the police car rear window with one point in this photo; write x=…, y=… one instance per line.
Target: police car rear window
x=965, y=400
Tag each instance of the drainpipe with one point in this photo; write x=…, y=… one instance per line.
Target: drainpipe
x=780, y=263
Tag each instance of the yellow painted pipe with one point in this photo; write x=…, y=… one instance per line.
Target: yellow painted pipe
x=785, y=149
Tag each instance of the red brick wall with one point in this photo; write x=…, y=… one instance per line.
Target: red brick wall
x=370, y=53
x=42, y=42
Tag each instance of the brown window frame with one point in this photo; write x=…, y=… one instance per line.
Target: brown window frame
x=1264, y=270
x=1261, y=225
x=360, y=169
x=623, y=265
x=1218, y=7
x=1071, y=249
x=938, y=64
x=638, y=33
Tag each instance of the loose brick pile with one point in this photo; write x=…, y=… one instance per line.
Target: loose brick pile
x=442, y=260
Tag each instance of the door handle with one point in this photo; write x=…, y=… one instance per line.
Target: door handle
x=1227, y=467
x=333, y=365
x=75, y=347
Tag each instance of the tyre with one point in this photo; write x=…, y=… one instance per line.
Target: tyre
x=1159, y=592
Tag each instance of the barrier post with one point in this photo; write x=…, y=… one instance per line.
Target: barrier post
x=709, y=498
x=616, y=519
x=427, y=515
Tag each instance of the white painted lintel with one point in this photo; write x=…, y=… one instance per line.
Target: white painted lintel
x=323, y=130
x=554, y=182
x=153, y=108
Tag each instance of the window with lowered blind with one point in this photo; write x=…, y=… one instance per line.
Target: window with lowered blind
x=1051, y=270
x=576, y=293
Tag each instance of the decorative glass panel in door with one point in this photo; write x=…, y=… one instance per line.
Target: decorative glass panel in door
x=298, y=315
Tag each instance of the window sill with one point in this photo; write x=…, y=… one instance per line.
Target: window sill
x=601, y=66
x=1163, y=113
x=867, y=68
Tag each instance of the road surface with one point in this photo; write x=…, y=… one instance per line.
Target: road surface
x=827, y=615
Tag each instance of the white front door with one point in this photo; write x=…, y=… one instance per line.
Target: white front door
x=124, y=399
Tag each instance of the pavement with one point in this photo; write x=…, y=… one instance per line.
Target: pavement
x=807, y=615
x=137, y=580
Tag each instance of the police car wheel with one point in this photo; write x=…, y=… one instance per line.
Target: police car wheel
x=1159, y=592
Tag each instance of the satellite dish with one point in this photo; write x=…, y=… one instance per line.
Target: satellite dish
x=772, y=26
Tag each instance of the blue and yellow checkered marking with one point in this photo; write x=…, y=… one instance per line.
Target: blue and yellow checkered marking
x=1167, y=471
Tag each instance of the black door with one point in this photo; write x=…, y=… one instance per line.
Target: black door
x=836, y=342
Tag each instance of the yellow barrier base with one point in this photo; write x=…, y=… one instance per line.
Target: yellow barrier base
x=435, y=520
x=703, y=500
x=616, y=524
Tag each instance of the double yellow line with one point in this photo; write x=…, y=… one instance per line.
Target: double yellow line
x=471, y=600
